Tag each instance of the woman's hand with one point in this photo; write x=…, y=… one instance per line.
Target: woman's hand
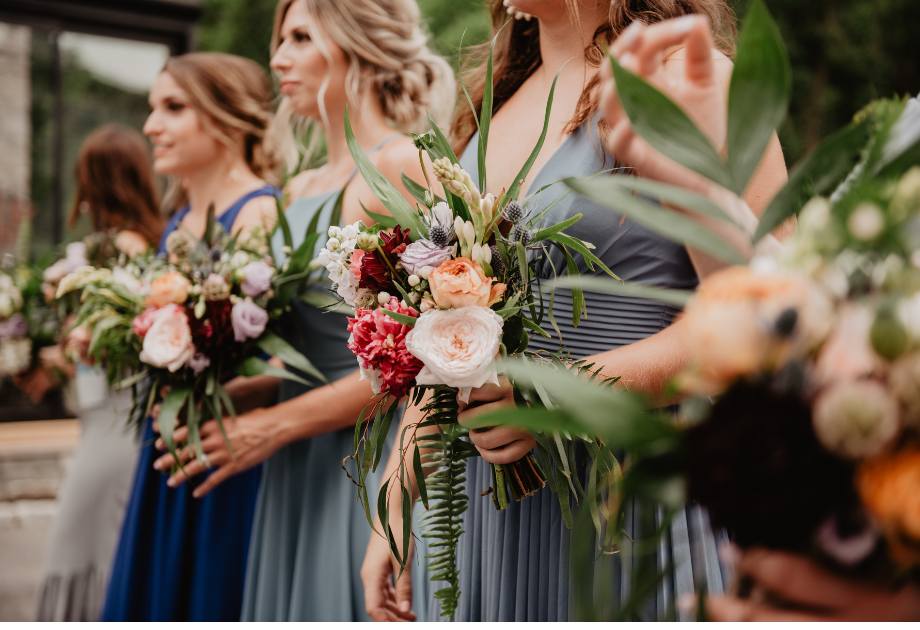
x=497, y=445
x=383, y=600
x=694, y=76
x=252, y=437
x=812, y=594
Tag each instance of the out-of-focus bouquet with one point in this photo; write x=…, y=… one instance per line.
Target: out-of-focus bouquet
x=27, y=322
x=177, y=328
x=441, y=291
x=799, y=426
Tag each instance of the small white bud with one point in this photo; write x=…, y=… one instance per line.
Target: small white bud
x=414, y=280
x=382, y=298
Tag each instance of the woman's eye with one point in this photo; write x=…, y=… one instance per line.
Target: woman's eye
x=175, y=107
x=300, y=37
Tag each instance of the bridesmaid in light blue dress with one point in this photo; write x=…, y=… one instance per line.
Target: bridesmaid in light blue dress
x=310, y=531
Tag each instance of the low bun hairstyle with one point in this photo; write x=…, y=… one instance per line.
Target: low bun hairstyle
x=386, y=49
x=234, y=97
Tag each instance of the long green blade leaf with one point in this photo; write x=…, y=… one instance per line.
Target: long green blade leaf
x=254, y=366
x=665, y=221
x=817, y=174
x=169, y=415
x=759, y=94
x=515, y=188
x=278, y=347
x=597, y=284
x=667, y=128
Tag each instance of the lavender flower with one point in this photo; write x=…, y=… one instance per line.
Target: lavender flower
x=199, y=363
x=423, y=253
x=15, y=326
x=257, y=278
x=248, y=319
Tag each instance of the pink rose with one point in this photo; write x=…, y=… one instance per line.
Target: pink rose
x=168, y=342
x=248, y=320
x=461, y=282
x=143, y=322
x=170, y=288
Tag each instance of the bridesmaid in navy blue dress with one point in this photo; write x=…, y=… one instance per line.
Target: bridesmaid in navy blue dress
x=180, y=558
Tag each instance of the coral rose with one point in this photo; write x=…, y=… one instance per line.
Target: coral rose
x=889, y=486
x=170, y=288
x=461, y=282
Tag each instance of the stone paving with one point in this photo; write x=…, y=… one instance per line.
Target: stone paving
x=33, y=458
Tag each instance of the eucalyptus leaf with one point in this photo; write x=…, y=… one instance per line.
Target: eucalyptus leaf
x=596, y=284
x=274, y=345
x=758, y=97
x=169, y=415
x=670, y=223
x=667, y=128
x=254, y=366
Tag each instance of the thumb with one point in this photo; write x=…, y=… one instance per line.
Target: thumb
x=404, y=589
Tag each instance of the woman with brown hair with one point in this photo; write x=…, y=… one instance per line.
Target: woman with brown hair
x=179, y=558
x=115, y=187
x=514, y=565
x=371, y=57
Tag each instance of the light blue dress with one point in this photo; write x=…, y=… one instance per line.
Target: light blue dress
x=514, y=564
x=310, y=532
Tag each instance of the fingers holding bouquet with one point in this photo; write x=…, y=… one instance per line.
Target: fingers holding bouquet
x=496, y=445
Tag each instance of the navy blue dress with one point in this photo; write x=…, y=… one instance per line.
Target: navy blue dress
x=181, y=558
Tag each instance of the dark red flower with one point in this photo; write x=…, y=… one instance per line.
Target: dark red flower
x=376, y=273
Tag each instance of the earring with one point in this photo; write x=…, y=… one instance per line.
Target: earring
x=514, y=12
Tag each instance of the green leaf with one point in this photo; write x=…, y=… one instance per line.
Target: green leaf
x=254, y=366
x=902, y=146
x=192, y=421
x=274, y=345
x=670, y=223
x=515, y=188
x=597, y=284
x=758, y=97
x=169, y=415
x=582, y=248
x=440, y=145
x=559, y=227
x=817, y=174
x=420, y=476
x=418, y=192
x=667, y=128
x=283, y=224
x=673, y=195
x=407, y=320
x=384, y=220
x=485, y=120
x=388, y=195
x=537, y=419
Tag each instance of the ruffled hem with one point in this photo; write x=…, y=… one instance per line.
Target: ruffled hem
x=72, y=597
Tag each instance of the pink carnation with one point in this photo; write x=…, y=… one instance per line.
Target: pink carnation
x=144, y=321
x=379, y=342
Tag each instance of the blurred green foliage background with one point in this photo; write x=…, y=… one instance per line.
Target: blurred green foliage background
x=844, y=52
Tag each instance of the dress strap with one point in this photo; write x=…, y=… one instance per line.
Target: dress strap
x=228, y=217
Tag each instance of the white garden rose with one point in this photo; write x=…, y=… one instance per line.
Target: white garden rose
x=168, y=343
x=458, y=347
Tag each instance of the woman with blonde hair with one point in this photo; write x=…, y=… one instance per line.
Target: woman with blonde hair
x=115, y=187
x=371, y=57
x=515, y=564
x=179, y=558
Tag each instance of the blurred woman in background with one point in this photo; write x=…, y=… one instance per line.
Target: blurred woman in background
x=179, y=558
x=371, y=57
x=115, y=188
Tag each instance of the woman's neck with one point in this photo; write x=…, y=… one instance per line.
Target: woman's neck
x=221, y=183
x=368, y=124
x=563, y=43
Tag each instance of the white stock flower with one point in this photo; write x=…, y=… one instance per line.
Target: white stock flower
x=458, y=347
x=336, y=260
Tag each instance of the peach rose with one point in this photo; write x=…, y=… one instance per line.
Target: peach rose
x=170, y=288
x=168, y=344
x=461, y=282
x=889, y=486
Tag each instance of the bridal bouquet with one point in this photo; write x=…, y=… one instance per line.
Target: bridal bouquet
x=441, y=290
x=184, y=325
x=27, y=322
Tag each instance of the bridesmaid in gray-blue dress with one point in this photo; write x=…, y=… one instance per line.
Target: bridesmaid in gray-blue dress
x=514, y=564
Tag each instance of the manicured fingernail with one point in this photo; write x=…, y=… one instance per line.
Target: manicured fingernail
x=171, y=482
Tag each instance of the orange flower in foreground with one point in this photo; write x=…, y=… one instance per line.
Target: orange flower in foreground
x=889, y=486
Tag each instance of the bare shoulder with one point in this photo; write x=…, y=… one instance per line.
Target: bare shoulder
x=258, y=212
x=397, y=157
x=298, y=185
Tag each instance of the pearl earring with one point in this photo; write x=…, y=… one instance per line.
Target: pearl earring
x=514, y=12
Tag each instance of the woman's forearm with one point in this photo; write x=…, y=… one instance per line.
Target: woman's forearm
x=324, y=409
x=647, y=366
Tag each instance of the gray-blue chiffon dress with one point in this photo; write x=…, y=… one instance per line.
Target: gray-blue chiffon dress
x=310, y=532
x=514, y=564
